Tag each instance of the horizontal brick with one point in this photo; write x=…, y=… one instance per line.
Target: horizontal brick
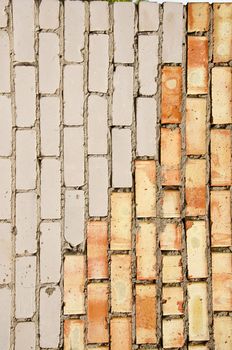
x=99, y=15
x=173, y=333
x=148, y=16
x=74, y=283
x=171, y=90
x=146, y=251
x=195, y=184
x=220, y=157
x=172, y=300
x=25, y=336
x=222, y=14
x=198, y=17
x=49, y=14
x=5, y=126
x=74, y=334
x=5, y=253
x=197, y=347
x=222, y=332
x=5, y=188
x=170, y=204
x=4, y=62
x=5, y=317
x=145, y=188
x=172, y=269
x=146, y=314
x=121, y=333
x=3, y=13
x=170, y=236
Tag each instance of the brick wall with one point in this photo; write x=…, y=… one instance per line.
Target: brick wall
x=115, y=175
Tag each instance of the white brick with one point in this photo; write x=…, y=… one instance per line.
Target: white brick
x=73, y=156
x=49, y=69
x=23, y=24
x=5, y=318
x=4, y=62
x=3, y=13
x=74, y=30
x=74, y=217
x=121, y=158
x=5, y=189
x=5, y=253
x=97, y=125
x=50, y=126
x=123, y=96
x=50, y=306
x=99, y=15
x=146, y=127
x=25, y=95
x=25, y=159
x=26, y=222
x=50, y=189
x=73, y=95
x=50, y=245
x=148, y=16
x=98, y=186
x=25, y=336
x=49, y=14
x=5, y=126
x=25, y=286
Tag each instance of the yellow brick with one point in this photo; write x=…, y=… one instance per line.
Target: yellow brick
x=172, y=268
x=173, y=333
x=171, y=204
x=222, y=32
x=223, y=333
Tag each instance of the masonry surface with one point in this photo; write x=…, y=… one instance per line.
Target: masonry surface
x=115, y=175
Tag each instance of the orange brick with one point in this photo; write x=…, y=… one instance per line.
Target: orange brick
x=220, y=219
x=173, y=336
x=97, y=249
x=172, y=268
x=198, y=17
x=98, y=313
x=171, y=204
x=222, y=46
x=146, y=251
x=195, y=125
x=170, y=237
x=145, y=188
x=171, y=95
x=73, y=334
x=222, y=333
x=121, y=287
x=120, y=221
x=195, y=182
x=172, y=300
x=121, y=333
x=146, y=314
x=170, y=156
x=197, y=65
x=220, y=157
x=74, y=282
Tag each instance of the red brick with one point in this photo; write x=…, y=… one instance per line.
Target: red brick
x=170, y=204
x=198, y=17
x=170, y=236
x=172, y=269
x=172, y=300
x=173, y=333
x=121, y=333
x=222, y=32
x=73, y=334
x=220, y=219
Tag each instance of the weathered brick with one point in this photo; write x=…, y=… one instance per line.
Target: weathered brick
x=5, y=253
x=145, y=188
x=172, y=300
x=197, y=347
x=5, y=317
x=25, y=336
x=99, y=15
x=74, y=334
x=198, y=17
x=146, y=127
x=121, y=216
x=173, y=336
x=222, y=333
x=148, y=16
x=220, y=219
x=222, y=16
x=121, y=288
x=195, y=182
x=170, y=204
x=4, y=62
x=5, y=189
x=5, y=126
x=97, y=249
x=172, y=268
x=146, y=314
x=98, y=313
x=121, y=333
x=170, y=236
x=3, y=13
x=170, y=156
x=49, y=14
x=195, y=125
x=146, y=251
x=123, y=32
x=220, y=157
x=171, y=86
x=74, y=283
x=122, y=108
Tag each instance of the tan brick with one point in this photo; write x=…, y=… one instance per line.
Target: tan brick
x=5, y=126
x=172, y=300
x=3, y=13
x=222, y=332
x=97, y=249
x=121, y=288
x=222, y=16
x=49, y=14
x=197, y=347
x=220, y=219
x=195, y=182
x=5, y=253
x=74, y=334
x=74, y=281
x=195, y=125
x=25, y=336
x=145, y=188
x=148, y=16
x=197, y=65
x=170, y=236
x=220, y=157
x=221, y=95
x=5, y=317
x=4, y=62
x=198, y=311
x=5, y=188
x=99, y=15
x=172, y=268
x=97, y=313
x=171, y=94
x=121, y=333
x=170, y=204
x=121, y=216
x=170, y=156
x=173, y=336
x=146, y=314
x=198, y=17
x=196, y=249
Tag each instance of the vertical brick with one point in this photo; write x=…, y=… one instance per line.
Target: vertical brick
x=173, y=336
x=172, y=269
x=121, y=288
x=5, y=126
x=97, y=249
x=195, y=182
x=146, y=251
x=222, y=333
x=5, y=318
x=25, y=336
x=3, y=13
x=145, y=314
x=170, y=236
x=198, y=17
x=74, y=283
x=5, y=189
x=49, y=14
x=120, y=331
x=122, y=96
x=172, y=300
x=222, y=15
x=170, y=204
x=4, y=62
x=73, y=334
x=99, y=15
x=145, y=188
x=197, y=65
x=171, y=95
x=98, y=186
x=146, y=127
x=220, y=157
x=97, y=313
x=148, y=16
x=5, y=253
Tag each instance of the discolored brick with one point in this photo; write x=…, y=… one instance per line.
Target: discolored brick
x=170, y=204
x=173, y=336
x=198, y=17
x=73, y=334
x=170, y=236
x=172, y=268
x=121, y=333
x=172, y=301
x=222, y=16
x=222, y=332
